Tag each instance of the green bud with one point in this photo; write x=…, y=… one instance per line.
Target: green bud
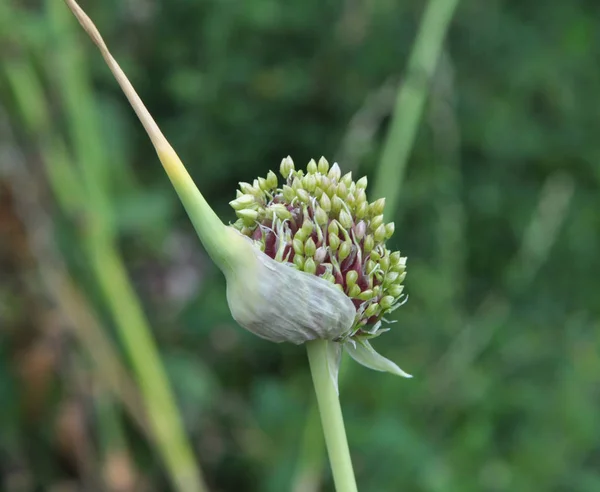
x=325, y=203
x=307, y=227
x=286, y=167
x=371, y=310
x=310, y=247
x=345, y=249
x=296, y=184
x=303, y=195
x=362, y=183
x=386, y=302
x=280, y=211
x=377, y=206
x=262, y=184
x=395, y=258
x=370, y=266
x=389, y=230
x=369, y=243
x=242, y=202
x=310, y=183
x=323, y=165
x=375, y=255
x=333, y=228
x=271, y=180
x=401, y=277
x=384, y=263
x=321, y=216
x=288, y=193
x=376, y=222
x=345, y=219
x=365, y=295
x=336, y=204
x=334, y=242
x=351, y=278
x=335, y=172
x=390, y=277
x=395, y=290
x=298, y=246
x=347, y=179
x=299, y=261
x=247, y=214
x=312, y=167
x=362, y=209
x=310, y=266
x=342, y=191
x=379, y=234
x=354, y=291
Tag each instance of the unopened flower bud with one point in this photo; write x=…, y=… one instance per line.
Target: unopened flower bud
x=377, y=206
x=312, y=167
x=351, y=277
x=369, y=243
x=371, y=310
x=325, y=202
x=335, y=172
x=288, y=193
x=298, y=246
x=247, y=214
x=386, y=302
x=345, y=250
x=362, y=183
x=376, y=222
x=242, y=202
x=323, y=165
x=303, y=195
x=361, y=210
x=395, y=290
x=345, y=219
x=347, y=179
x=309, y=247
x=271, y=180
x=360, y=230
x=342, y=191
x=281, y=211
x=320, y=255
x=310, y=183
x=321, y=216
x=334, y=242
x=286, y=167
x=353, y=291
x=307, y=227
x=379, y=234
x=336, y=204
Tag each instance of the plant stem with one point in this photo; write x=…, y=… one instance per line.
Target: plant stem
x=331, y=418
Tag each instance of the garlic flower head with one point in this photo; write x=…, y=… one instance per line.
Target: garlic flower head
x=320, y=223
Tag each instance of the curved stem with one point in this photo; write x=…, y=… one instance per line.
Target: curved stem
x=331, y=418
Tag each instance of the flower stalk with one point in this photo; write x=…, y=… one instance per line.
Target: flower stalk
x=331, y=416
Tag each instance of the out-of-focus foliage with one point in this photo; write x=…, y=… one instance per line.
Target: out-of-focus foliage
x=499, y=217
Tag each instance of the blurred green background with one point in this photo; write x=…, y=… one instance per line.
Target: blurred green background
x=498, y=213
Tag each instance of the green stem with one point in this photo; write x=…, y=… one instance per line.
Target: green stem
x=331, y=418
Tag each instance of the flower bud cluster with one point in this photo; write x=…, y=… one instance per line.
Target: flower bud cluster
x=322, y=223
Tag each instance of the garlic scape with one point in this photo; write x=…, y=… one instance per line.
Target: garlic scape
x=304, y=261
